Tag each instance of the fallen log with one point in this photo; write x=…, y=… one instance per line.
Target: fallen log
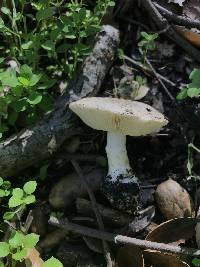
x=37, y=143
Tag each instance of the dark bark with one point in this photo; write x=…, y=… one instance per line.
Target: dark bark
x=37, y=143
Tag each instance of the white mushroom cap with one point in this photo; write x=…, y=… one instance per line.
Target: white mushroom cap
x=118, y=115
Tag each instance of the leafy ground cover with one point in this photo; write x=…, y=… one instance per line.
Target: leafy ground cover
x=43, y=46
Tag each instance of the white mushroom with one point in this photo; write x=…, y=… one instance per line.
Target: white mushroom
x=119, y=118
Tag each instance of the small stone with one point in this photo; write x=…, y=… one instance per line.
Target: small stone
x=65, y=192
x=173, y=200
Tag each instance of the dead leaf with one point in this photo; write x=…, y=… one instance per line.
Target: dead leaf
x=34, y=258
x=130, y=256
x=192, y=35
x=158, y=259
x=173, y=231
x=191, y=10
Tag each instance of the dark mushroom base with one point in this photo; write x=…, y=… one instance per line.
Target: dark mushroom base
x=121, y=195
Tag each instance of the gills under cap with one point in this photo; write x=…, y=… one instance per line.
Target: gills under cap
x=118, y=115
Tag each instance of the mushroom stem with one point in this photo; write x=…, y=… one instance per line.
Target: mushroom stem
x=118, y=162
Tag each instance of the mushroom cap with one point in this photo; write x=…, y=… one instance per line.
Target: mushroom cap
x=118, y=115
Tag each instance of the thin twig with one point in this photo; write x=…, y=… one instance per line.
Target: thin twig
x=28, y=222
x=162, y=24
x=180, y=20
x=148, y=70
x=82, y=230
x=158, y=78
x=95, y=209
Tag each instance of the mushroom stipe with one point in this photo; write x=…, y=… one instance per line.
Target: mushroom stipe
x=119, y=117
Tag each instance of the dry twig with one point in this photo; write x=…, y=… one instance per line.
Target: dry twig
x=96, y=211
x=120, y=239
x=169, y=30
x=180, y=20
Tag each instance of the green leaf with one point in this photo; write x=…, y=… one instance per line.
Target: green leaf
x=6, y=184
x=24, y=81
x=182, y=95
x=14, y=202
x=2, y=59
x=49, y=45
x=195, y=77
x=1, y=23
x=44, y=13
x=26, y=71
x=52, y=262
x=18, y=193
x=192, y=92
x=9, y=78
x=5, y=10
x=2, y=193
x=144, y=35
x=12, y=118
x=30, y=187
x=20, y=105
x=196, y=262
x=1, y=181
x=2, y=264
x=18, y=90
x=8, y=215
x=27, y=45
x=16, y=199
x=35, y=79
x=46, y=83
x=17, y=240
x=34, y=98
x=31, y=240
x=4, y=249
x=29, y=199
x=111, y=3
x=19, y=256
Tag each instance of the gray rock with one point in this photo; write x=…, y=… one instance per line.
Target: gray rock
x=65, y=192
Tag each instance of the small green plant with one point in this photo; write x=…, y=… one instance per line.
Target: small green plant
x=47, y=41
x=191, y=148
x=15, y=249
x=22, y=92
x=147, y=42
x=196, y=262
x=192, y=89
x=20, y=198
